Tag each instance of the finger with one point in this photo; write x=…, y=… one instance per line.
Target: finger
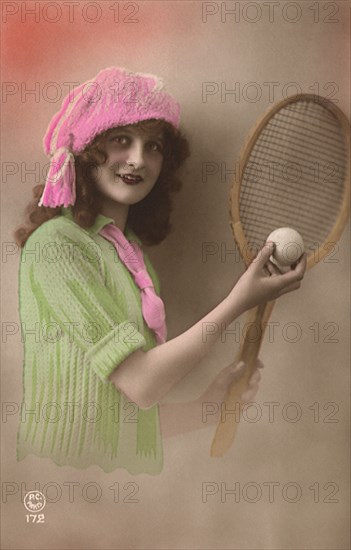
x=255, y=378
x=301, y=264
x=229, y=373
x=302, y=259
x=263, y=255
x=297, y=273
x=236, y=370
x=273, y=269
x=288, y=281
x=269, y=269
x=239, y=366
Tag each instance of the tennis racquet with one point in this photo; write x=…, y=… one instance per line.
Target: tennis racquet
x=294, y=171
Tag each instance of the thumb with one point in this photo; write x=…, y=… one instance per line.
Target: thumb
x=263, y=255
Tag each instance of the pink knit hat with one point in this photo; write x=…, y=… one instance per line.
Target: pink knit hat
x=115, y=97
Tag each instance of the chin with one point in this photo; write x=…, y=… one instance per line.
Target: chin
x=127, y=201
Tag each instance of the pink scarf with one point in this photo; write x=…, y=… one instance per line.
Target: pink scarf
x=131, y=255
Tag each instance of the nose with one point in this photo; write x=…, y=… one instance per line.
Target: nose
x=135, y=156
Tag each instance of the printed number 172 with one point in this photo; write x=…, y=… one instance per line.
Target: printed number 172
x=35, y=518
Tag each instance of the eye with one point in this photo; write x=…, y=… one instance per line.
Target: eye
x=123, y=140
x=155, y=146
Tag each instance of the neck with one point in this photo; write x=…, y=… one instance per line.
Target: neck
x=118, y=212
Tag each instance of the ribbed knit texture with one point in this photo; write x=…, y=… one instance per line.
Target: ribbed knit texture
x=114, y=97
x=80, y=313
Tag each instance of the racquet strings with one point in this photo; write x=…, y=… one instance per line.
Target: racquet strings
x=294, y=176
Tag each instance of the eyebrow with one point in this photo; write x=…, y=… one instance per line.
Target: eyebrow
x=129, y=131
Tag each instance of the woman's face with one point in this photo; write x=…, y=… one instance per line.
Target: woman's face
x=129, y=152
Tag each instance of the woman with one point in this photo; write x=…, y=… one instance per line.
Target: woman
x=100, y=363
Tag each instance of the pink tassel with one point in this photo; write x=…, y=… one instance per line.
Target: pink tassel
x=60, y=186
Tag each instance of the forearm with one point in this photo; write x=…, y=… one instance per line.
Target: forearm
x=152, y=374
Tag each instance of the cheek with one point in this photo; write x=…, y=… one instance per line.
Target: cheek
x=104, y=176
x=114, y=156
x=157, y=165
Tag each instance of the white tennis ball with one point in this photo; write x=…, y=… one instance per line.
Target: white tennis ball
x=289, y=246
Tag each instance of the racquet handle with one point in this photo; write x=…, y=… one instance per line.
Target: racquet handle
x=249, y=350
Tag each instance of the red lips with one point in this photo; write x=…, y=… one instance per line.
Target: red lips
x=130, y=179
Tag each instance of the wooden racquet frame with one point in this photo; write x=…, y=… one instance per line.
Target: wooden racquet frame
x=258, y=316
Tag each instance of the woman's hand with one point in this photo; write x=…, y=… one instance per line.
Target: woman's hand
x=263, y=281
x=217, y=391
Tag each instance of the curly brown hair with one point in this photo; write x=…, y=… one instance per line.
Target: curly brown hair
x=149, y=218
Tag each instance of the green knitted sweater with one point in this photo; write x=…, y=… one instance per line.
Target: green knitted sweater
x=80, y=313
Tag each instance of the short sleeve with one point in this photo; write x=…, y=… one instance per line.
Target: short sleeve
x=68, y=284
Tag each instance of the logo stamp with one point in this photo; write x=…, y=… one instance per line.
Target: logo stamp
x=34, y=501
